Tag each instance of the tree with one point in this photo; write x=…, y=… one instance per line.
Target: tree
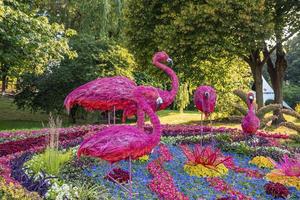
x=194, y=31
x=293, y=59
x=29, y=42
x=286, y=19
x=99, y=18
x=95, y=59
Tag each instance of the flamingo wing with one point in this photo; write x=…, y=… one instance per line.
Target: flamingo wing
x=117, y=143
x=102, y=94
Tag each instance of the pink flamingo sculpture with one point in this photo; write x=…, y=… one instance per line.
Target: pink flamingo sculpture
x=110, y=93
x=250, y=123
x=115, y=93
x=167, y=96
x=205, y=100
x=126, y=142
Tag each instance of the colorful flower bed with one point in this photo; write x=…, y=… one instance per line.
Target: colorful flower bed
x=232, y=167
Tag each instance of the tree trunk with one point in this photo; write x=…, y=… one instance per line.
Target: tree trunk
x=72, y=116
x=277, y=74
x=4, y=71
x=259, y=87
x=4, y=82
x=256, y=66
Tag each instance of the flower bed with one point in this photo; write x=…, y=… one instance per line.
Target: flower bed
x=167, y=177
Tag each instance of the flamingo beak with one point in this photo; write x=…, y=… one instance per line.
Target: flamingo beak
x=206, y=94
x=159, y=101
x=251, y=99
x=170, y=61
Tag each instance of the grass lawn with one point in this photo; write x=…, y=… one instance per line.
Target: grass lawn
x=12, y=118
x=193, y=117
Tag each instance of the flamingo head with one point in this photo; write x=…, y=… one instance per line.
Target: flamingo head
x=250, y=98
x=150, y=94
x=206, y=95
x=162, y=57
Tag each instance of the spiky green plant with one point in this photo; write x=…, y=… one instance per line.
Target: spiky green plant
x=92, y=192
x=50, y=161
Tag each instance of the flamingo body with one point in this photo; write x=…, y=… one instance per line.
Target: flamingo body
x=205, y=104
x=121, y=142
x=118, y=143
x=103, y=94
x=250, y=123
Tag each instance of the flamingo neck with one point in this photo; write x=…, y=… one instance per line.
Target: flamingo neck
x=172, y=75
x=250, y=106
x=153, y=118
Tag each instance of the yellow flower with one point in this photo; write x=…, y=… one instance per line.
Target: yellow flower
x=144, y=158
x=262, y=162
x=202, y=171
x=11, y=191
x=277, y=176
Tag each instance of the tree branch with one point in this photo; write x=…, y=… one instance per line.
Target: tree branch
x=268, y=54
x=289, y=36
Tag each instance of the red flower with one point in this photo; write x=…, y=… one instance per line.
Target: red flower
x=276, y=190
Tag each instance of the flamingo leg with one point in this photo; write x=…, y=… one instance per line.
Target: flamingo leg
x=130, y=179
x=114, y=180
x=213, y=135
x=201, y=132
x=108, y=117
x=114, y=115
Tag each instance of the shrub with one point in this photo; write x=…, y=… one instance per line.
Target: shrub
x=50, y=161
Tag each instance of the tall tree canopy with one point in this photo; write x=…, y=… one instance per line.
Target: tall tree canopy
x=194, y=31
x=100, y=18
x=95, y=59
x=293, y=59
x=286, y=19
x=28, y=41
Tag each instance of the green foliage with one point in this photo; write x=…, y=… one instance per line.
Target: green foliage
x=293, y=59
x=183, y=96
x=291, y=94
x=225, y=76
x=50, y=161
x=98, y=18
x=95, y=59
x=240, y=148
x=81, y=191
x=92, y=192
x=29, y=42
x=72, y=172
x=192, y=31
